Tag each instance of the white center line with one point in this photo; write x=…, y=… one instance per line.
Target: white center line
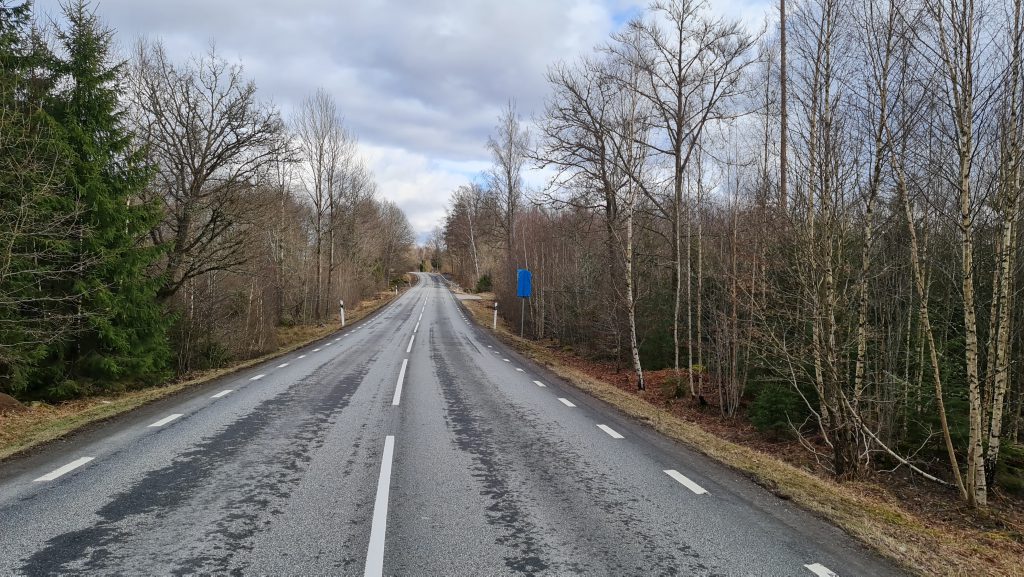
x=820, y=570
x=257, y=377
x=282, y=365
x=416, y=328
x=610, y=431
x=538, y=383
x=401, y=379
x=378, y=527
x=566, y=402
x=685, y=481
x=409, y=348
x=166, y=420
x=65, y=469
x=221, y=394
x=302, y=356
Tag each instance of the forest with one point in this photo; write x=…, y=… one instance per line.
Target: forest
x=159, y=215
x=815, y=226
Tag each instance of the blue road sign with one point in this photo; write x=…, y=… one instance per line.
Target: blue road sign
x=524, y=286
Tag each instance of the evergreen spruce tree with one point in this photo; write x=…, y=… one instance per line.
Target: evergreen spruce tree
x=38, y=223
x=122, y=332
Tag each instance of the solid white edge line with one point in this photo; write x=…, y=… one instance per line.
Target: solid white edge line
x=282, y=365
x=378, y=527
x=611, y=432
x=257, y=377
x=685, y=481
x=566, y=402
x=166, y=420
x=221, y=394
x=65, y=469
x=409, y=348
x=538, y=383
x=401, y=379
x=821, y=570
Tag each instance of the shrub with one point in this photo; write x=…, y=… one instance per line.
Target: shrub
x=775, y=406
x=483, y=284
x=1010, y=474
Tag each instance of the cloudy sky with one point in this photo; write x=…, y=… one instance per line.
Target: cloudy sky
x=421, y=82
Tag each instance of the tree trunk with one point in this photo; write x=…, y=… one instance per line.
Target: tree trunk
x=634, y=346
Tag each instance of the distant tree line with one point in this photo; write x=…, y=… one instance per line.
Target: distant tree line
x=159, y=216
x=816, y=227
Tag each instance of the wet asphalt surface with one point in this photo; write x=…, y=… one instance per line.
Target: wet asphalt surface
x=491, y=474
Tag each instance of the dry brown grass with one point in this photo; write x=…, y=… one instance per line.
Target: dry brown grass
x=41, y=423
x=920, y=545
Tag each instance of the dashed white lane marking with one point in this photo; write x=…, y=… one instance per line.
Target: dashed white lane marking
x=166, y=420
x=409, y=348
x=257, y=377
x=221, y=394
x=506, y=360
x=611, y=432
x=316, y=350
x=302, y=356
x=820, y=570
x=538, y=383
x=421, y=317
x=490, y=347
x=401, y=379
x=566, y=402
x=518, y=369
x=686, y=482
x=282, y=365
x=416, y=328
x=378, y=527
x=65, y=469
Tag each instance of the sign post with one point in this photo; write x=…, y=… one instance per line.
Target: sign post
x=341, y=307
x=524, y=288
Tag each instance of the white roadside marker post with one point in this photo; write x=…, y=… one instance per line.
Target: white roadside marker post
x=341, y=307
x=494, y=323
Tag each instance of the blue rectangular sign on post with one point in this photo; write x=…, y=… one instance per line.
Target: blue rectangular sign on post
x=524, y=286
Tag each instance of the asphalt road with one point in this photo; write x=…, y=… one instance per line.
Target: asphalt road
x=412, y=443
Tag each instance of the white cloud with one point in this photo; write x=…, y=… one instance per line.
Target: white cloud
x=420, y=81
x=416, y=183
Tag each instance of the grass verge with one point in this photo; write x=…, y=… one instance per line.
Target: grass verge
x=920, y=546
x=41, y=423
